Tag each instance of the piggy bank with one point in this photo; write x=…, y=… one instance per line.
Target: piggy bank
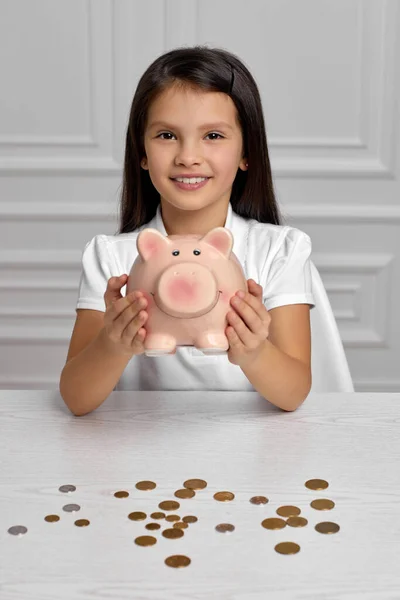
x=188, y=281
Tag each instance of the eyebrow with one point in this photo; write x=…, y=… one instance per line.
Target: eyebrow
x=205, y=126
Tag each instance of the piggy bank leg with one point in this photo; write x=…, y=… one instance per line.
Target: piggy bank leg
x=157, y=344
x=212, y=343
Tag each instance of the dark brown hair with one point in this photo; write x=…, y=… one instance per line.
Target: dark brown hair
x=205, y=69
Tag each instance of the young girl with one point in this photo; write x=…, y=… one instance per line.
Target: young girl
x=196, y=158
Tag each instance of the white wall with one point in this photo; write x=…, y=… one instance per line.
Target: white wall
x=328, y=72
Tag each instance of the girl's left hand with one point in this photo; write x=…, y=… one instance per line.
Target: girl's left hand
x=248, y=325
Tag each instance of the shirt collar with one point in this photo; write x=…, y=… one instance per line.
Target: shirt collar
x=158, y=223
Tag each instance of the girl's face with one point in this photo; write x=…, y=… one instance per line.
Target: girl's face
x=190, y=132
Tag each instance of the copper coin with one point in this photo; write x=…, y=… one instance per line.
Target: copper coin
x=327, y=527
x=288, y=511
x=189, y=519
x=173, y=534
x=180, y=525
x=157, y=515
x=169, y=505
x=224, y=496
x=287, y=548
x=259, y=500
x=296, y=521
x=145, y=540
x=172, y=518
x=177, y=561
x=195, y=484
x=185, y=493
x=137, y=516
x=82, y=523
x=67, y=488
x=316, y=484
x=71, y=507
x=225, y=528
x=121, y=494
x=273, y=523
x=322, y=504
x=52, y=518
x=145, y=485
x=17, y=530
x=153, y=526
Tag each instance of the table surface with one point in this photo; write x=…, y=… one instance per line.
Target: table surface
x=235, y=441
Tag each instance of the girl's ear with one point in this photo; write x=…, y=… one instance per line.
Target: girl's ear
x=221, y=239
x=151, y=243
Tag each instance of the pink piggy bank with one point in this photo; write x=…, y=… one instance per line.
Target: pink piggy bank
x=188, y=281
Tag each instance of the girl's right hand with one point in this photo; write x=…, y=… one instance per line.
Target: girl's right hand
x=124, y=318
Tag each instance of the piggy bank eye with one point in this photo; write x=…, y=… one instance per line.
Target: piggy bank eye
x=175, y=252
x=196, y=252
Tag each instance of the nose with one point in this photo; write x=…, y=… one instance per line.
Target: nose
x=188, y=154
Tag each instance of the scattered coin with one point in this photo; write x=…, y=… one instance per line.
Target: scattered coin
x=145, y=540
x=82, y=523
x=157, y=515
x=180, y=525
x=296, y=522
x=185, y=493
x=52, y=518
x=121, y=494
x=224, y=496
x=145, y=485
x=287, y=548
x=67, y=488
x=195, y=484
x=137, y=516
x=273, y=523
x=189, y=519
x=169, y=505
x=71, y=507
x=17, y=530
x=327, y=527
x=322, y=504
x=288, y=511
x=225, y=528
x=177, y=561
x=153, y=526
x=172, y=518
x=316, y=484
x=259, y=500
x=172, y=534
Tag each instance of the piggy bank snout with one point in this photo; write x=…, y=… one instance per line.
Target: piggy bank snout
x=186, y=290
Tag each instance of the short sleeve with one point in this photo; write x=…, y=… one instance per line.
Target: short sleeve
x=287, y=280
x=98, y=266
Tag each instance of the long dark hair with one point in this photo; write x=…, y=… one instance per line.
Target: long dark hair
x=213, y=70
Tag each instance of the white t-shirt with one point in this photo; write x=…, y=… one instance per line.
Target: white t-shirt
x=277, y=257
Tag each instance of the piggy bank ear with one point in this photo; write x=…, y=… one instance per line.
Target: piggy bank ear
x=150, y=242
x=221, y=239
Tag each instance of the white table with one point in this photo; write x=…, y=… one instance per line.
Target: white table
x=235, y=441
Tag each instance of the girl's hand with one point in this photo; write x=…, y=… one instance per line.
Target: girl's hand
x=248, y=325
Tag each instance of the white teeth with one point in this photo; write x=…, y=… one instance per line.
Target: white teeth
x=191, y=180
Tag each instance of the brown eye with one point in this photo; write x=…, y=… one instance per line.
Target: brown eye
x=196, y=252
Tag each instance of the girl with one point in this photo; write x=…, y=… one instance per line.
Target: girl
x=196, y=158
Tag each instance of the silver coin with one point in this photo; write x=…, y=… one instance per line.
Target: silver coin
x=67, y=488
x=225, y=528
x=71, y=507
x=17, y=530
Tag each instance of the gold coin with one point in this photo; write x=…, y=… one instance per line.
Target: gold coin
x=327, y=527
x=189, y=519
x=172, y=534
x=121, y=494
x=259, y=500
x=178, y=560
x=169, y=505
x=322, y=504
x=288, y=511
x=145, y=485
x=195, y=484
x=225, y=528
x=273, y=523
x=82, y=523
x=287, y=548
x=224, y=496
x=145, y=540
x=52, y=518
x=153, y=526
x=316, y=484
x=172, y=518
x=185, y=493
x=137, y=516
x=157, y=515
x=296, y=522
x=180, y=525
